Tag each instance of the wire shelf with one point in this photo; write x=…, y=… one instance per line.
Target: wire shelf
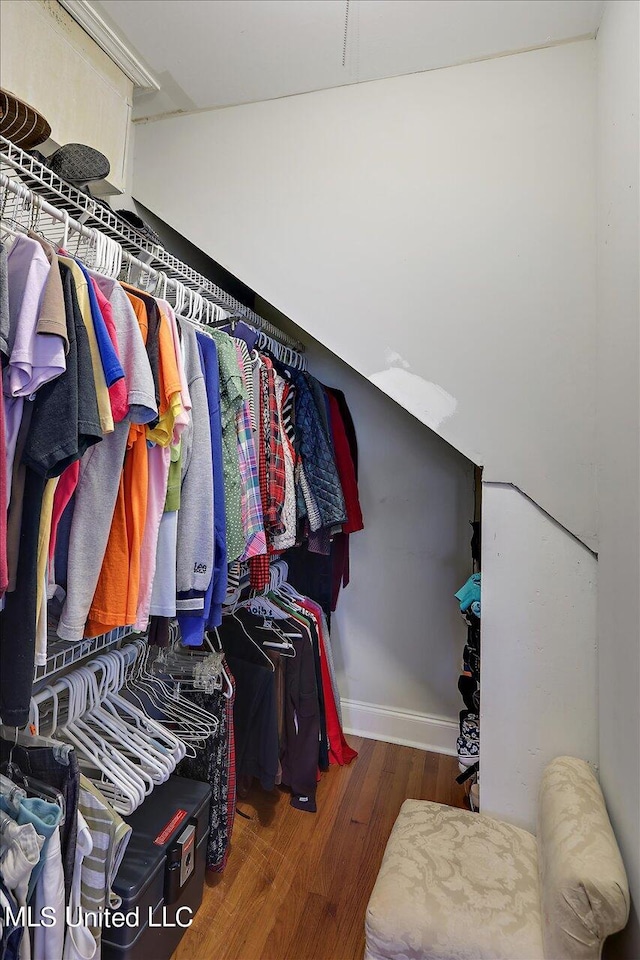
x=17, y=164
x=61, y=654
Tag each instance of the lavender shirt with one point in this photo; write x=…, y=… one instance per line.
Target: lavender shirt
x=34, y=358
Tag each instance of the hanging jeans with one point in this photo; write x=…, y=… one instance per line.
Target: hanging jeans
x=57, y=766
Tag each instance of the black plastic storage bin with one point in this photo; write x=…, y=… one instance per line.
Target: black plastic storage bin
x=162, y=872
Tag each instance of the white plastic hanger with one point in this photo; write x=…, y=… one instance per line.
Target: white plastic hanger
x=112, y=752
x=135, y=746
x=65, y=230
x=97, y=760
x=192, y=724
x=123, y=761
x=130, y=712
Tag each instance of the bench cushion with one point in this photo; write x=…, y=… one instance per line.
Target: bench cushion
x=583, y=884
x=455, y=885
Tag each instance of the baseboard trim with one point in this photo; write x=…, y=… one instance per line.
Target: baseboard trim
x=399, y=726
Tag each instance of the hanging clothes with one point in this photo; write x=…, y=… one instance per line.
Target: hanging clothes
x=195, y=549
x=100, y=473
x=147, y=459
x=218, y=585
x=216, y=765
x=317, y=454
x=53, y=437
x=56, y=765
x=232, y=396
x=255, y=718
x=251, y=503
x=345, y=445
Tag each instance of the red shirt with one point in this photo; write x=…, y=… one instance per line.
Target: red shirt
x=346, y=470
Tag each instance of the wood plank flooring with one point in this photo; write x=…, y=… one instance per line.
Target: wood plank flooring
x=297, y=884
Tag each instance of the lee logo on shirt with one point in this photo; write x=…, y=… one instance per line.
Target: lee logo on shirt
x=199, y=568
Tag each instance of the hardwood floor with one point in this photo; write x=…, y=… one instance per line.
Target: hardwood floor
x=297, y=884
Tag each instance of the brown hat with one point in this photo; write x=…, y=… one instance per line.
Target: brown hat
x=21, y=123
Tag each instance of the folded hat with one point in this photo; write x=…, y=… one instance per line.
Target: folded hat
x=138, y=224
x=78, y=163
x=21, y=123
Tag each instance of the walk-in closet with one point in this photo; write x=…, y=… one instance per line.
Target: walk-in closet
x=316, y=547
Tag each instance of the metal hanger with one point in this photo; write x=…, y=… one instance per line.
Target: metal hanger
x=251, y=640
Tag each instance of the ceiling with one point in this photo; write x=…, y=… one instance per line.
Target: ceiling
x=215, y=53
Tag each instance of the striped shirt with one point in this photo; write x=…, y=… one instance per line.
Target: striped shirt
x=110, y=835
x=289, y=519
x=246, y=365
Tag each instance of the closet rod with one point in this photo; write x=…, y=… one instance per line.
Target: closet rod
x=85, y=209
x=40, y=206
x=186, y=299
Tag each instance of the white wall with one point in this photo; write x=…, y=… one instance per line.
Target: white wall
x=539, y=657
x=618, y=434
x=397, y=633
x=48, y=60
x=437, y=231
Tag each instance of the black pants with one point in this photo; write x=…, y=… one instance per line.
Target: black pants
x=18, y=619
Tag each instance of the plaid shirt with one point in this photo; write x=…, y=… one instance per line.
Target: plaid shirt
x=252, y=520
x=259, y=566
x=273, y=449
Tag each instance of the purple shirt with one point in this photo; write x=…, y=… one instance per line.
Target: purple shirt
x=34, y=358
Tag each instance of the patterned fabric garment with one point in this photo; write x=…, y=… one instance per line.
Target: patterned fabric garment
x=316, y=451
x=234, y=575
x=287, y=403
x=311, y=505
x=288, y=537
x=215, y=765
x=320, y=541
x=289, y=425
x=232, y=395
x=273, y=450
x=246, y=365
x=231, y=773
x=259, y=566
x=110, y=835
x=252, y=520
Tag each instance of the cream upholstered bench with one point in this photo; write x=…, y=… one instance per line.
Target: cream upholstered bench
x=455, y=885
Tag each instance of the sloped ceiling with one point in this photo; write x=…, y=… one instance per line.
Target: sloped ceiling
x=215, y=53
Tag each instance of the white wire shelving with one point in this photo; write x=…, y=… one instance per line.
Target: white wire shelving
x=62, y=654
x=15, y=163
x=21, y=167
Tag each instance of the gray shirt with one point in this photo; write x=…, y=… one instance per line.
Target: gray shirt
x=195, y=517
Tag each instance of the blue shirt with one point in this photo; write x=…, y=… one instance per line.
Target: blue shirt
x=218, y=588
x=108, y=357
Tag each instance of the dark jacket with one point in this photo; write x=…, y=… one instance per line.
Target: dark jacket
x=316, y=451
